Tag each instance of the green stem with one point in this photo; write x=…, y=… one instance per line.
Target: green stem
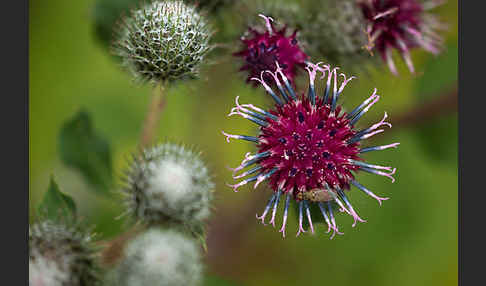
x=153, y=115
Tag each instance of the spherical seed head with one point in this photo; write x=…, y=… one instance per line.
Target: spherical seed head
x=401, y=25
x=164, y=41
x=308, y=145
x=160, y=257
x=60, y=255
x=169, y=182
x=262, y=50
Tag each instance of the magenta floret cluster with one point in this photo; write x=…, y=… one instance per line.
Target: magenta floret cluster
x=308, y=147
x=401, y=25
x=263, y=49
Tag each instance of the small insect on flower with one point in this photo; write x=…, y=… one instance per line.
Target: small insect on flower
x=308, y=147
x=401, y=25
x=315, y=195
x=263, y=50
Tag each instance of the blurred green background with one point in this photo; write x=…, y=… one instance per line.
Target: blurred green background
x=410, y=240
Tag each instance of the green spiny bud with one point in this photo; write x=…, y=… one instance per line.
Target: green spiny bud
x=163, y=41
x=341, y=39
x=60, y=255
x=159, y=258
x=169, y=183
x=106, y=13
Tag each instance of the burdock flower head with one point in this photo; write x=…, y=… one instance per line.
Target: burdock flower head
x=60, y=255
x=262, y=50
x=309, y=147
x=401, y=25
x=169, y=183
x=163, y=41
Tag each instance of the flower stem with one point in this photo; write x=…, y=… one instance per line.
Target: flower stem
x=153, y=115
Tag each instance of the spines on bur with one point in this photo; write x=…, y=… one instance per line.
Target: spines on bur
x=169, y=183
x=61, y=255
x=159, y=257
x=341, y=37
x=163, y=41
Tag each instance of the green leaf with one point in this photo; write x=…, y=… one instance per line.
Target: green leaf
x=82, y=149
x=57, y=205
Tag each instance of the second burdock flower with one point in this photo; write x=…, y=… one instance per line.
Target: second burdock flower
x=263, y=49
x=401, y=25
x=169, y=183
x=163, y=41
x=308, y=147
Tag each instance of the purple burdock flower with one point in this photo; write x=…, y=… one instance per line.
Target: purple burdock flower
x=308, y=147
x=263, y=50
x=401, y=25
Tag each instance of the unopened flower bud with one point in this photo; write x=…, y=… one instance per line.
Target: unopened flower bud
x=159, y=257
x=169, y=182
x=163, y=41
x=60, y=255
